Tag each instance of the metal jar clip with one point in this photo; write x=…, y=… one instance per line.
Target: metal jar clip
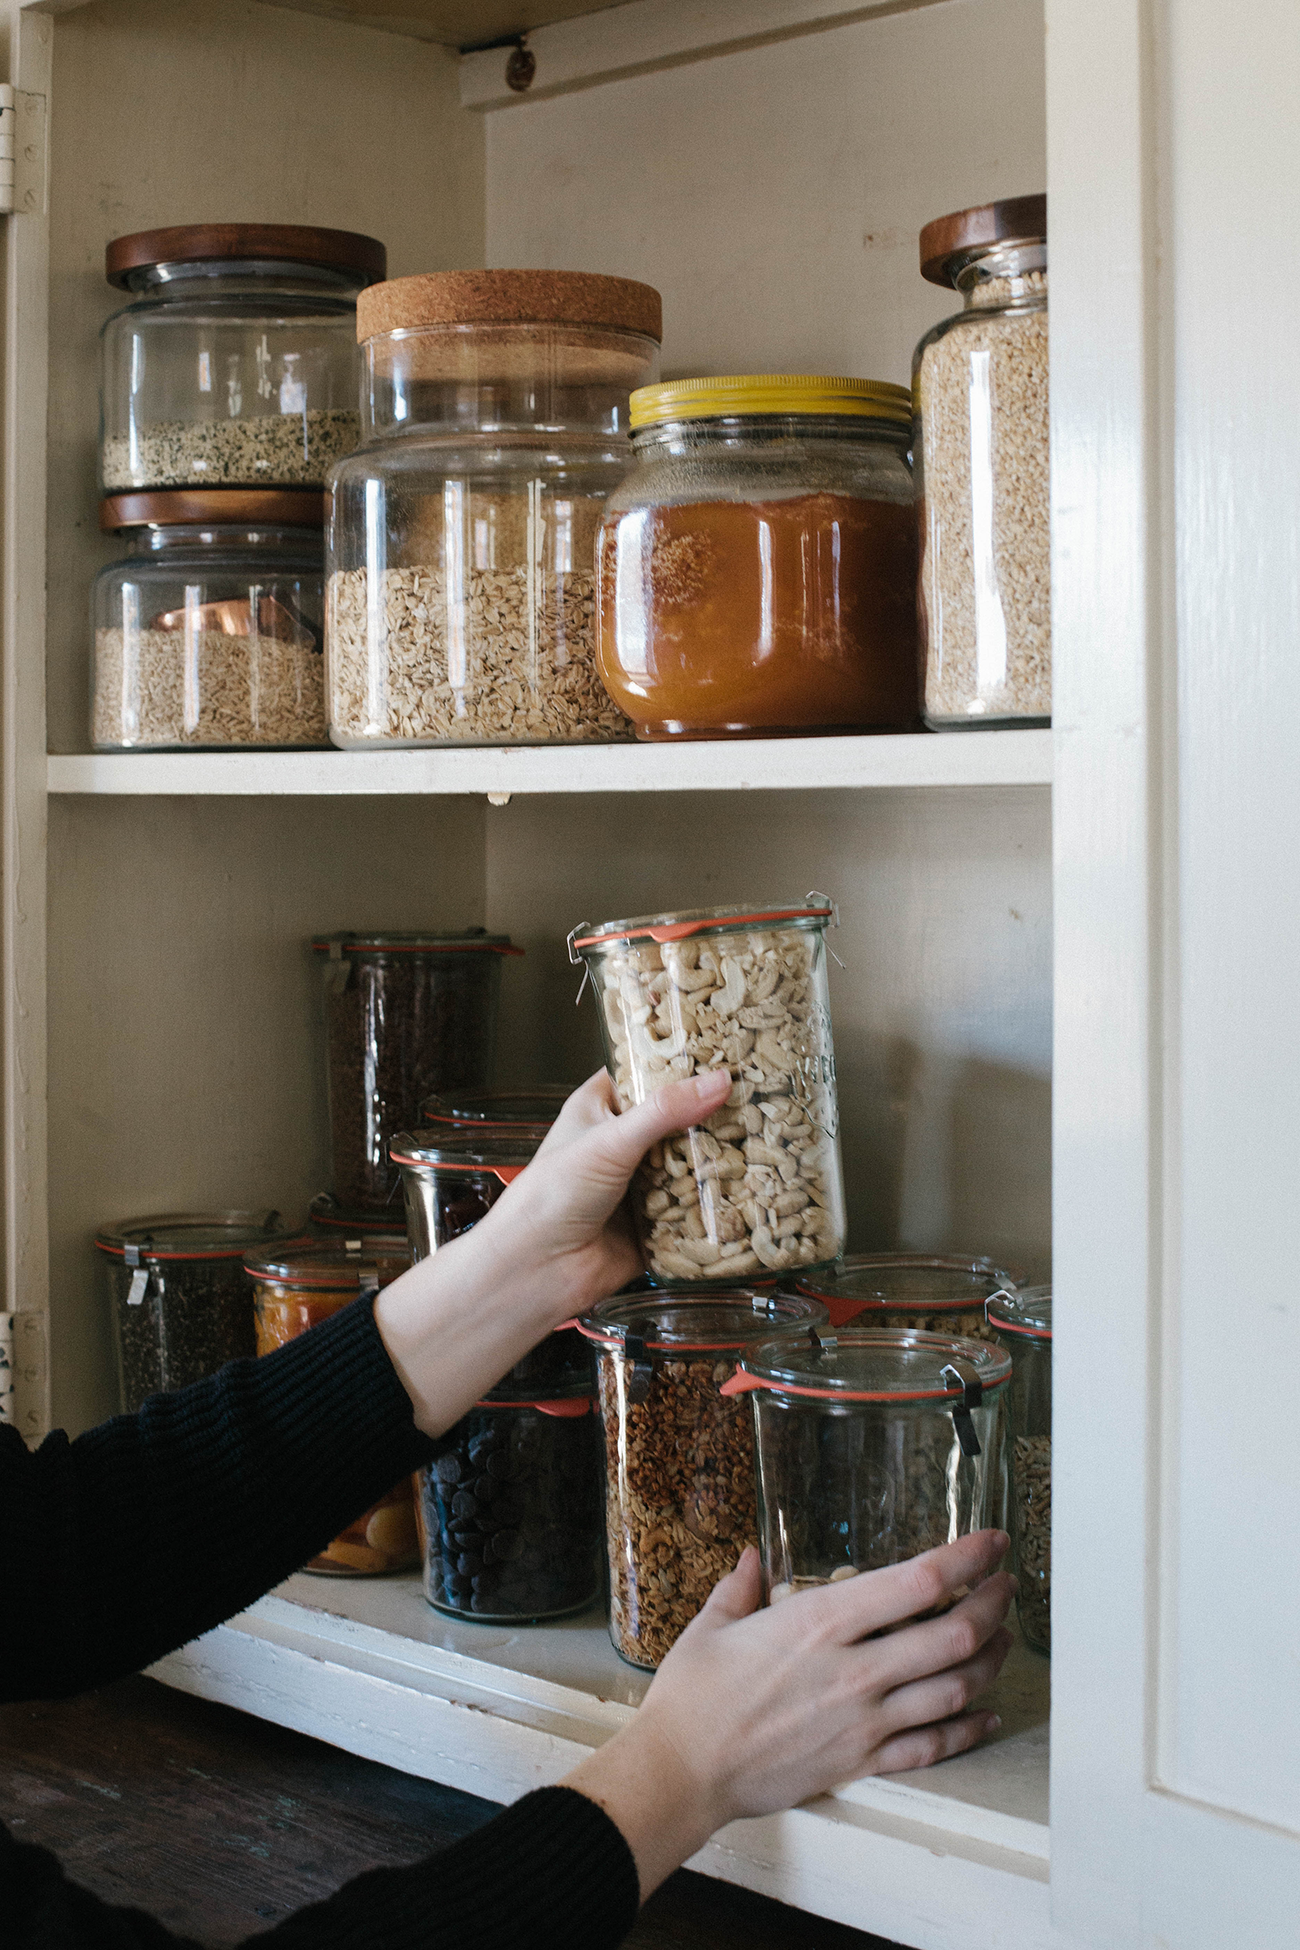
x=963, y=1374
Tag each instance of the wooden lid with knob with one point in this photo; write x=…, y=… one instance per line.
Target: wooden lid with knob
x=510, y=298
x=363, y=258
x=948, y=240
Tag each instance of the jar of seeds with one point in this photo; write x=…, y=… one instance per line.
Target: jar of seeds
x=757, y=1189
x=461, y=546
x=980, y=398
x=235, y=363
x=179, y=1299
x=679, y=1454
x=1023, y=1324
x=208, y=634
x=873, y=1445
x=941, y=1293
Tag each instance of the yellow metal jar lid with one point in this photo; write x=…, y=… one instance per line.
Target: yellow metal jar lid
x=770, y=392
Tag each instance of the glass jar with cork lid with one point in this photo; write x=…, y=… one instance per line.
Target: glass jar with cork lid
x=461, y=593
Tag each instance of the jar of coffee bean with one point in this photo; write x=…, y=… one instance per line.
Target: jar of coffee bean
x=510, y=1508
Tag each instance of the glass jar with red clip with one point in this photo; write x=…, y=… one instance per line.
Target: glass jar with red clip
x=757, y=1188
x=296, y=1287
x=872, y=1445
x=499, y=1113
x=679, y=1455
x=1023, y=1325
x=939, y=1293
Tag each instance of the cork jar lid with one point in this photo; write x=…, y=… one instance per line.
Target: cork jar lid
x=510, y=298
x=361, y=258
x=947, y=242
x=211, y=507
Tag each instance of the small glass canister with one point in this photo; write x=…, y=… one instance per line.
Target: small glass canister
x=208, y=633
x=1023, y=1323
x=980, y=398
x=499, y=1113
x=405, y=1015
x=328, y=1218
x=180, y=1301
x=461, y=595
x=295, y=1288
x=756, y=571
x=939, y=1293
x=873, y=1445
x=679, y=1454
x=758, y=1188
x=235, y=363
x=510, y=1508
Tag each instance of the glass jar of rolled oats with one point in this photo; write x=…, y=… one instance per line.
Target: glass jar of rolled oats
x=461, y=545
x=757, y=1188
x=980, y=450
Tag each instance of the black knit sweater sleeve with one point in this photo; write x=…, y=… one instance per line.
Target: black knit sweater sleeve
x=152, y=1528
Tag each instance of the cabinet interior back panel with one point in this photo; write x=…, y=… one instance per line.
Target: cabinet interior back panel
x=942, y=1009
x=774, y=195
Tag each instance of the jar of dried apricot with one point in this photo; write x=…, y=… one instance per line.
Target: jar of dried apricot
x=756, y=570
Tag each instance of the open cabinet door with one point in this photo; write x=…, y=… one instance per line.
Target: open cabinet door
x=1175, y=178
x=24, y=1252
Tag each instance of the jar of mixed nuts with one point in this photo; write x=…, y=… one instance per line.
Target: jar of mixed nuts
x=405, y=1015
x=980, y=399
x=295, y=1288
x=461, y=594
x=873, y=1445
x=942, y=1293
x=180, y=1301
x=758, y=1188
x=679, y=1454
x=1023, y=1323
x=235, y=363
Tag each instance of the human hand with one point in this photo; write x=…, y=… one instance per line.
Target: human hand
x=754, y=1710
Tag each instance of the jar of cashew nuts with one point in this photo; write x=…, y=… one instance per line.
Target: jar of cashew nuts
x=758, y=1188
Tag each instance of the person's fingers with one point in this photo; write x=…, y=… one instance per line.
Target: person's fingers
x=942, y=1695
x=934, y=1644
x=739, y=1593
x=620, y=1143
x=856, y=1607
x=590, y=1104
x=923, y=1746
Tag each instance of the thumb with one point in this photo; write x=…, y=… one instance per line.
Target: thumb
x=733, y=1597
x=623, y=1141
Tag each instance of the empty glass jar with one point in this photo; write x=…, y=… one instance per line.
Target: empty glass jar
x=1023, y=1323
x=758, y=1188
x=944, y=1293
x=208, y=634
x=235, y=363
x=499, y=1113
x=980, y=395
x=872, y=1445
x=461, y=595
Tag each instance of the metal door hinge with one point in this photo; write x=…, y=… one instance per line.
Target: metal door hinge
x=23, y=171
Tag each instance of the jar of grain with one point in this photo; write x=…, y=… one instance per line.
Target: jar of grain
x=679, y=1453
x=872, y=1446
x=942, y=1293
x=296, y=1287
x=758, y=1187
x=1023, y=1324
x=208, y=634
x=756, y=570
x=235, y=363
x=461, y=544
x=405, y=1015
x=979, y=385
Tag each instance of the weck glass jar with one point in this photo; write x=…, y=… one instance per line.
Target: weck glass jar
x=295, y=1287
x=980, y=399
x=679, y=1454
x=461, y=592
x=235, y=363
x=872, y=1446
x=500, y=1113
x=178, y=1297
x=943, y=1293
x=209, y=633
x=756, y=570
x=1023, y=1324
x=510, y=1509
x=405, y=1015
x=758, y=1187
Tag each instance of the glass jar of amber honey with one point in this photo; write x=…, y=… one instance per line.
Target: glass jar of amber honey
x=756, y=569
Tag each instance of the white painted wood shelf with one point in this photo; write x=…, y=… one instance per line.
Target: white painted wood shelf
x=742, y=765
x=496, y=1711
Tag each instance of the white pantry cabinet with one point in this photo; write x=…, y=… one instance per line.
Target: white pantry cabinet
x=1106, y=913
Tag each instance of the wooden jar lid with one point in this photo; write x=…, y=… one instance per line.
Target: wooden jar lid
x=364, y=258
x=1016, y=218
x=510, y=298
x=209, y=507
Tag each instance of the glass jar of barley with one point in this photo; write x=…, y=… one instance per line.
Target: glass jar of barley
x=980, y=403
x=461, y=542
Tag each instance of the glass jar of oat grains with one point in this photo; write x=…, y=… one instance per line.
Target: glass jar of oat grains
x=461, y=544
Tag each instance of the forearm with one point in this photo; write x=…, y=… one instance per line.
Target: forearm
x=662, y=1810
